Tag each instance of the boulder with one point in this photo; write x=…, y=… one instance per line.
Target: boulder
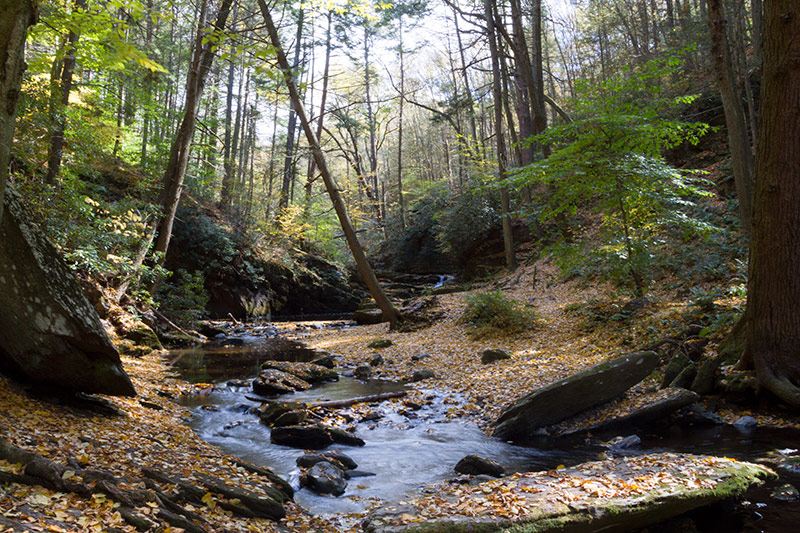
x=305, y=437
x=273, y=382
x=570, y=396
x=326, y=360
x=368, y=316
x=421, y=375
x=677, y=363
x=309, y=372
x=291, y=418
x=492, y=355
x=363, y=372
x=618, y=494
x=475, y=465
x=376, y=360
x=336, y=457
x=341, y=436
x=324, y=478
x=49, y=332
x=651, y=409
x=270, y=412
x=380, y=343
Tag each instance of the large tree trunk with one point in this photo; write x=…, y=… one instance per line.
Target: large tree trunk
x=15, y=17
x=179, y=154
x=773, y=340
x=738, y=138
x=385, y=305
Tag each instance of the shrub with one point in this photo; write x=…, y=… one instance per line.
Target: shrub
x=184, y=298
x=492, y=313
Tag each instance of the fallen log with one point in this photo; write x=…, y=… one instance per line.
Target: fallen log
x=338, y=404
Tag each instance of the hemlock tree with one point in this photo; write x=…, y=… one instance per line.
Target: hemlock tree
x=773, y=321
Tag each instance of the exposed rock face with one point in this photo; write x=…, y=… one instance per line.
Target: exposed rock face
x=48, y=330
x=570, y=396
x=241, y=282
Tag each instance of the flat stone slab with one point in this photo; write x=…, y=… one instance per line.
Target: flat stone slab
x=630, y=413
x=617, y=494
x=308, y=372
x=573, y=395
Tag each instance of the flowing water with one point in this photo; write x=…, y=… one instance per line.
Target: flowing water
x=407, y=451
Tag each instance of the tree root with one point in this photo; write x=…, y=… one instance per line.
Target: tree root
x=777, y=383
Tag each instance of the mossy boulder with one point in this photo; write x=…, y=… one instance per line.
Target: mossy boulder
x=493, y=355
x=380, y=343
x=615, y=495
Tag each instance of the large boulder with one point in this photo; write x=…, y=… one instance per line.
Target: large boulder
x=565, y=398
x=49, y=332
x=615, y=495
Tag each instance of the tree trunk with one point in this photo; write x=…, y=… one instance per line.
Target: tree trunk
x=400, y=200
x=67, y=71
x=385, y=305
x=227, y=163
x=179, y=154
x=312, y=165
x=15, y=17
x=773, y=340
x=738, y=138
x=756, y=9
x=288, y=159
x=508, y=239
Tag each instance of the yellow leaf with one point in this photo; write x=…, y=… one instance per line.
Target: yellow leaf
x=68, y=474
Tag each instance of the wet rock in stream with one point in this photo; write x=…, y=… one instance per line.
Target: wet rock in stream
x=314, y=437
x=475, y=465
x=274, y=382
x=308, y=372
x=325, y=478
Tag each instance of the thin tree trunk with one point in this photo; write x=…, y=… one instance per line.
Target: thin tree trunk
x=67, y=72
x=227, y=163
x=508, y=239
x=179, y=154
x=288, y=159
x=15, y=17
x=372, y=150
x=385, y=305
x=400, y=200
x=312, y=165
x=738, y=139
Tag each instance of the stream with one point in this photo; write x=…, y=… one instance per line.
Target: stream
x=409, y=450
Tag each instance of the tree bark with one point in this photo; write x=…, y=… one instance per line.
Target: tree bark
x=15, y=17
x=312, y=164
x=59, y=125
x=385, y=305
x=502, y=162
x=738, y=138
x=288, y=159
x=773, y=339
x=179, y=154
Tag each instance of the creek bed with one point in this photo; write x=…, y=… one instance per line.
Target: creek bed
x=406, y=453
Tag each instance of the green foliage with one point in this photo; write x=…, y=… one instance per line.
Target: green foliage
x=608, y=161
x=493, y=313
x=184, y=298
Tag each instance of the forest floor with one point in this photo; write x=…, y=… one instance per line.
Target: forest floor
x=151, y=430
